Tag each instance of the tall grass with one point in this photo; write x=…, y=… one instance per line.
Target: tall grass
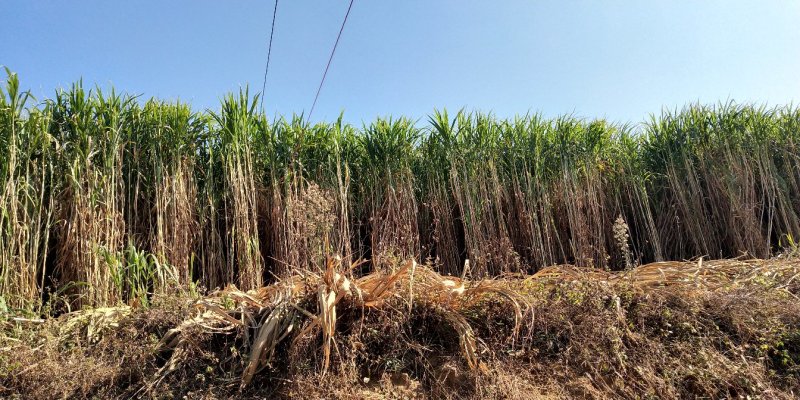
x=108, y=198
x=26, y=203
x=88, y=130
x=386, y=197
x=161, y=198
x=307, y=181
x=237, y=124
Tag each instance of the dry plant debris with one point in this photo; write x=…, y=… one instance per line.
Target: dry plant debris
x=719, y=328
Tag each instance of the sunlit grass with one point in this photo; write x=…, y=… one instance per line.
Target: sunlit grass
x=91, y=182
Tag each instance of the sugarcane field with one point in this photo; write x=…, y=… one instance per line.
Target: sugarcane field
x=159, y=248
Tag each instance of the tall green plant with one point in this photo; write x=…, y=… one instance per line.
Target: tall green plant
x=237, y=126
x=88, y=130
x=94, y=183
x=26, y=207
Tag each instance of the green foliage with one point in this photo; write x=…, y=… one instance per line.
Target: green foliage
x=136, y=273
x=230, y=197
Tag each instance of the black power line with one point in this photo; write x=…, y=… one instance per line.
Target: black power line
x=330, y=59
x=269, y=53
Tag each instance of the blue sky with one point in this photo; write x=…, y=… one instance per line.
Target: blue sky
x=616, y=59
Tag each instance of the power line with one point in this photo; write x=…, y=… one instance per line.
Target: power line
x=269, y=53
x=330, y=59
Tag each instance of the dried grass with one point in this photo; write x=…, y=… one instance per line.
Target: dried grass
x=700, y=328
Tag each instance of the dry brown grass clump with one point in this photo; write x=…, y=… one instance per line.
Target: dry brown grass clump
x=96, y=353
x=717, y=329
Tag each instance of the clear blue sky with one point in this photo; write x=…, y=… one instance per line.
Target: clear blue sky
x=617, y=59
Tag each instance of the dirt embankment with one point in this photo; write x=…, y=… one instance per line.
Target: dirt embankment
x=715, y=329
